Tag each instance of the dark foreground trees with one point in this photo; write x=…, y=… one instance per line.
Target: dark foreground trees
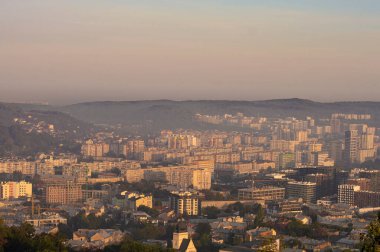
x=371, y=241
x=24, y=238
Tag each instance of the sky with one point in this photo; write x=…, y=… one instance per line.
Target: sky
x=69, y=51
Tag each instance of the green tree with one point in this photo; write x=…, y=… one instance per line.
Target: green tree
x=17, y=176
x=371, y=241
x=133, y=246
x=24, y=238
x=211, y=212
x=203, y=228
x=203, y=237
x=116, y=171
x=235, y=207
x=260, y=215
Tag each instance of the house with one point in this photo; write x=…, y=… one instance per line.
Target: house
x=306, y=220
x=259, y=232
x=141, y=216
x=94, y=239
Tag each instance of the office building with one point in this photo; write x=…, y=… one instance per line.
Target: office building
x=346, y=194
x=264, y=193
x=304, y=190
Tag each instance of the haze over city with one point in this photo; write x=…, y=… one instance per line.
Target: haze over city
x=190, y=125
x=58, y=51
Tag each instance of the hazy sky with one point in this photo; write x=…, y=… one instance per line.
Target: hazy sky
x=83, y=50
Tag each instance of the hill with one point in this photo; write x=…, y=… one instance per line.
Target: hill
x=139, y=117
x=174, y=114
x=26, y=132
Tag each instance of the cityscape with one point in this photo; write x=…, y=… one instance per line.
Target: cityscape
x=245, y=183
x=189, y=126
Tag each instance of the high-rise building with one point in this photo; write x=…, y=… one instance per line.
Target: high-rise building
x=335, y=126
x=134, y=147
x=321, y=159
x=374, y=177
x=303, y=190
x=336, y=150
x=367, y=199
x=351, y=145
x=301, y=135
x=324, y=183
x=63, y=193
x=91, y=149
x=346, y=194
x=15, y=190
x=199, y=179
x=207, y=164
x=185, y=203
x=287, y=160
x=367, y=141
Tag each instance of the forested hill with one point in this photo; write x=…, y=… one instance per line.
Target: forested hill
x=165, y=113
x=78, y=120
x=26, y=132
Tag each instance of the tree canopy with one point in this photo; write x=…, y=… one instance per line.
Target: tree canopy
x=24, y=238
x=371, y=241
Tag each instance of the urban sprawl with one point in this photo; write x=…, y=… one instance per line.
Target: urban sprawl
x=255, y=184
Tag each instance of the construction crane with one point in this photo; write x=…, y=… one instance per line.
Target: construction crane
x=39, y=208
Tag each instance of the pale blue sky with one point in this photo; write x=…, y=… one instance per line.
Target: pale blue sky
x=83, y=50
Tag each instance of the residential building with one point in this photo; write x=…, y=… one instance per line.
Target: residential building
x=185, y=203
x=15, y=190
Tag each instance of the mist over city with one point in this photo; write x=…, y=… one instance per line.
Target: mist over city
x=190, y=126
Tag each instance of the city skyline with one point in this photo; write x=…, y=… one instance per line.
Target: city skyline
x=188, y=50
x=189, y=125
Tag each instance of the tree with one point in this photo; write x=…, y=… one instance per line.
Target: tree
x=260, y=215
x=211, y=212
x=116, y=171
x=371, y=241
x=143, y=231
x=17, y=176
x=203, y=228
x=235, y=207
x=24, y=238
x=3, y=233
x=129, y=245
x=203, y=237
x=65, y=231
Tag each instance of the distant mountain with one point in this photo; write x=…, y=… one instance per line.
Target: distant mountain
x=169, y=114
x=77, y=120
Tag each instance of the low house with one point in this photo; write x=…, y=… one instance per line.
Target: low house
x=94, y=238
